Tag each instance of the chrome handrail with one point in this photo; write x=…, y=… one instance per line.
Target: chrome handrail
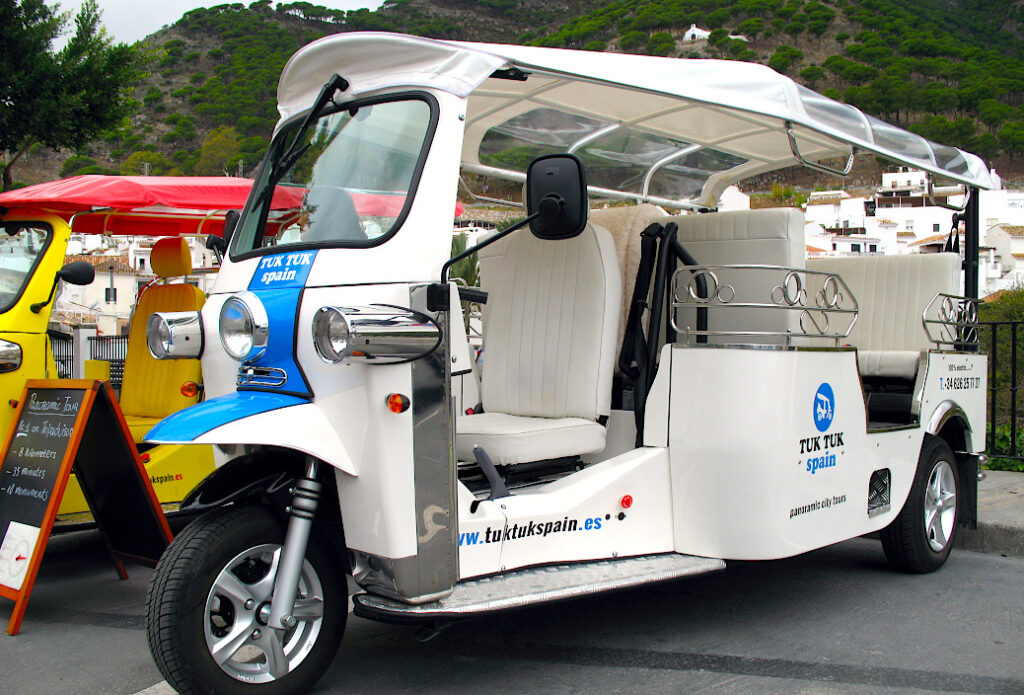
x=820, y=299
x=951, y=320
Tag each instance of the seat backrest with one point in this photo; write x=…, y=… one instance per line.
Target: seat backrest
x=625, y=224
x=771, y=236
x=152, y=387
x=892, y=293
x=550, y=324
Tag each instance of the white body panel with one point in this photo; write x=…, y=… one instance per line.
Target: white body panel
x=752, y=475
x=956, y=380
x=574, y=518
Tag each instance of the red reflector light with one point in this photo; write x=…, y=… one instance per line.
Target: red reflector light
x=190, y=389
x=144, y=457
x=13, y=403
x=626, y=501
x=397, y=403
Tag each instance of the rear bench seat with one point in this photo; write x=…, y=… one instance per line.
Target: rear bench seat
x=771, y=236
x=892, y=293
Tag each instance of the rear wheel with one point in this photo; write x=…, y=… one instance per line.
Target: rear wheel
x=209, y=601
x=920, y=538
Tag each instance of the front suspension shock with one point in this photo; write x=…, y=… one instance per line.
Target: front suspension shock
x=305, y=500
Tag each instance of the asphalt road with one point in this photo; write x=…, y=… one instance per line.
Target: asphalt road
x=832, y=621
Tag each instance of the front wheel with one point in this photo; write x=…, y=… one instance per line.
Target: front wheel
x=920, y=537
x=209, y=600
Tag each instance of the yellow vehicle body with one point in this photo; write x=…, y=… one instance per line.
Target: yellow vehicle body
x=174, y=470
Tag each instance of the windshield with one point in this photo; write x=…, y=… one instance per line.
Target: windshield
x=350, y=183
x=22, y=244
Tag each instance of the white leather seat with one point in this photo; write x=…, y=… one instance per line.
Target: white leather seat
x=772, y=236
x=892, y=293
x=550, y=326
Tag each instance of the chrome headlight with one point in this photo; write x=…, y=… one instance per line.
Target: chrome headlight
x=10, y=356
x=244, y=327
x=175, y=335
x=379, y=334
x=331, y=334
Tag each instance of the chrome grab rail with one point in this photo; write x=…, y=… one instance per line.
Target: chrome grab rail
x=951, y=320
x=821, y=300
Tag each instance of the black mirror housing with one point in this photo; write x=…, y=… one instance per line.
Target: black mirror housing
x=77, y=273
x=556, y=188
x=231, y=218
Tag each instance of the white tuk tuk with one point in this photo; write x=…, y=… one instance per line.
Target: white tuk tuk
x=659, y=393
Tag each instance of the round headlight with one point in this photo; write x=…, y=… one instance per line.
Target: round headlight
x=158, y=336
x=331, y=334
x=244, y=327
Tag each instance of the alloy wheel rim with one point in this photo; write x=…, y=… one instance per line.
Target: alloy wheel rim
x=940, y=506
x=234, y=620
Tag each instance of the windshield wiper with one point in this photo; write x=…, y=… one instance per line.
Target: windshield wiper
x=286, y=161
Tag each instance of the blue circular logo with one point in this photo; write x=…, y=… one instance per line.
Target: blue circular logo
x=824, y=407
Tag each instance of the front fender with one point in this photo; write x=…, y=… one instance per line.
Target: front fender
x=261, y=418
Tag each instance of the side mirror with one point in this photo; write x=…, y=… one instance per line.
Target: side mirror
x=230, y=222
x=556, y=188
x=77, y=273
x=219, y=244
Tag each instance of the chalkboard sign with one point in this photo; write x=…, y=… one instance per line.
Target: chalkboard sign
x=63, y=425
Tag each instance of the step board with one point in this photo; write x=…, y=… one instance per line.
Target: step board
x=537, y=585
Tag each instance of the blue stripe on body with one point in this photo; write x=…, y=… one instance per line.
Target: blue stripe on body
x=195, y=421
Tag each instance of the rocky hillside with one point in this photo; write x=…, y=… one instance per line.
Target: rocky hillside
x=949, y=69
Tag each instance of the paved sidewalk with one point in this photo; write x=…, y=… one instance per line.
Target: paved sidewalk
x=1000, y=516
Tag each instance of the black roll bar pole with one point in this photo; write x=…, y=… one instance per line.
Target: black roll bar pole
x=972, y=237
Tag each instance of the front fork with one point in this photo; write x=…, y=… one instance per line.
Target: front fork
x=305, y=500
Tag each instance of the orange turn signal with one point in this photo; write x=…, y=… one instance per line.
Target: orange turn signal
x=190, y=389
x=397, y=403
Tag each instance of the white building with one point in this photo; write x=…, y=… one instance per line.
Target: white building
x=122, y=272
x=695, y=33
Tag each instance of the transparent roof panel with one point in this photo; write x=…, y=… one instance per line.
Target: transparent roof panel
x=843, y=118
x=951, y=159
x=686, y=176
x=512, y=144
x=620, y=160
x=899, y=140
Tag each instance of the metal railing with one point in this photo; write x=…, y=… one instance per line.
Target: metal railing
x=113, y=349
x=790, y=302
x=1002, y=340
x=63, y=346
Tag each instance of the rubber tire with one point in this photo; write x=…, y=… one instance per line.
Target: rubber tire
x=176, y=600
x=905, y=540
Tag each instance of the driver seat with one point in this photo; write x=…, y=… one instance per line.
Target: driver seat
x=550, y=328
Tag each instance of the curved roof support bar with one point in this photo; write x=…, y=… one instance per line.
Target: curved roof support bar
x=931, y=200
x=814, y=165
x=682, y=152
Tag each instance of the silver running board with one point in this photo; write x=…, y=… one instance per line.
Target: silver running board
x=538, y=585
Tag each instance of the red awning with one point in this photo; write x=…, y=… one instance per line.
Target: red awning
x=165, y=205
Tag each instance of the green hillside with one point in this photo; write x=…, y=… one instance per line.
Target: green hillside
x=952, y=70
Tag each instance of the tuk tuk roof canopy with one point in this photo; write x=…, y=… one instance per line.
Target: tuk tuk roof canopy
x=159, y=205
x=168, y=205
x=665, y=130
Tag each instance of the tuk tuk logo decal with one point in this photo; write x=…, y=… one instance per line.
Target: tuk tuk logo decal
x=283, y=270
x=822, y=446
x=528, y=530
x=824, y=407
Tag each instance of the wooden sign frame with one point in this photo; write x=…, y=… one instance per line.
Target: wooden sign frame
x=115, y=484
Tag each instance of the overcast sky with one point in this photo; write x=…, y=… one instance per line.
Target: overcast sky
x=130, y=20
